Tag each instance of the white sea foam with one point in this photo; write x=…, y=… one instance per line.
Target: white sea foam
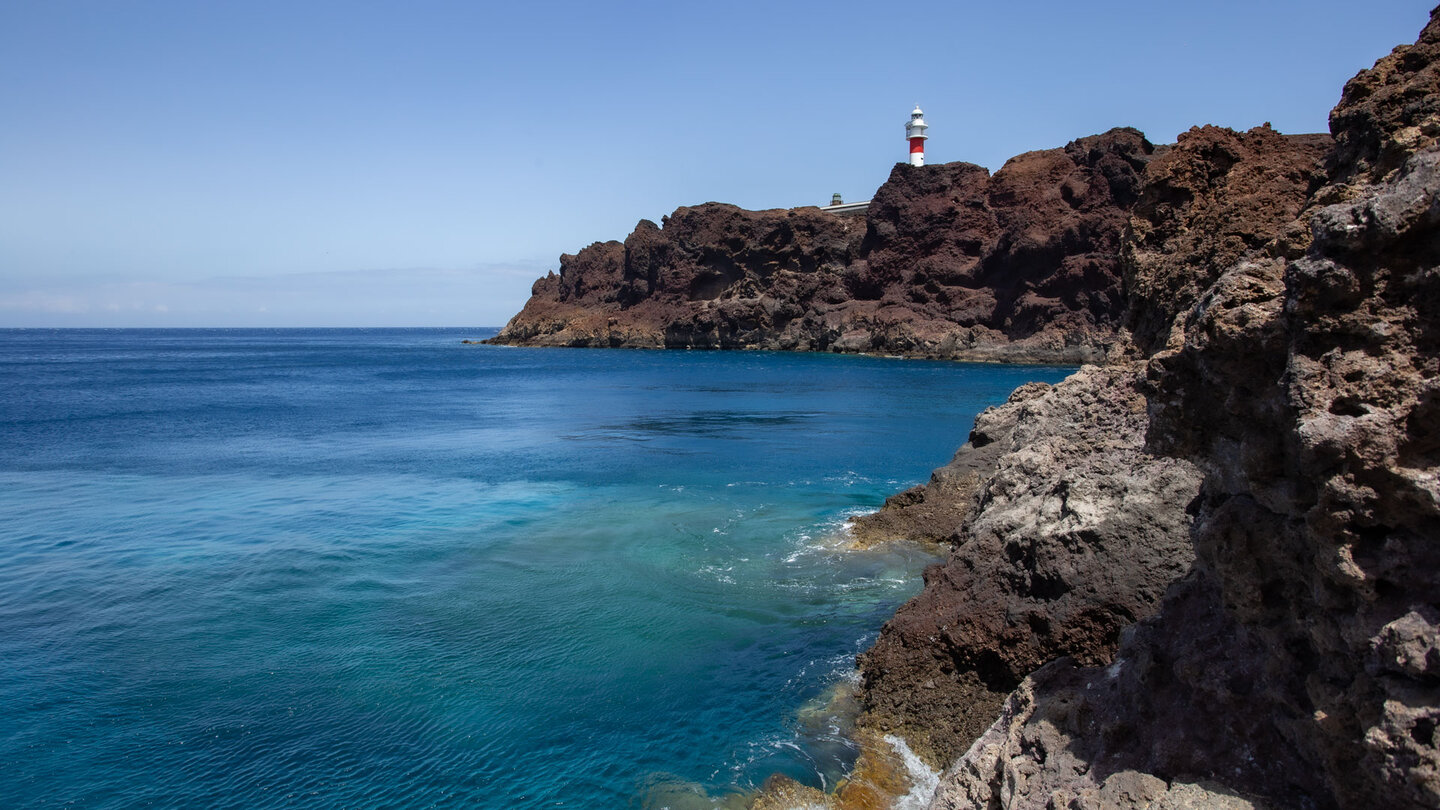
x=828, y=537
x=719, y=573
x=923, y=781
x=836, y=668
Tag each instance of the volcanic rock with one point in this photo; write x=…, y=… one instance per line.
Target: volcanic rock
x=1075, y=535
x=1215, y=196
x=1205, y=575
x=710, y=276
x=949, y=262
x=1297, y=664
x=934, y=512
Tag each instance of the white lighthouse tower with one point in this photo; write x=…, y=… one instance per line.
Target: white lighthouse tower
x=915, y=133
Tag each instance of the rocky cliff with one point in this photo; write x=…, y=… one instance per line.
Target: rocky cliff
x=1206, y=574
x=1076, y=533
x=949, y=262
x=1211, y=576
x=1216, y=197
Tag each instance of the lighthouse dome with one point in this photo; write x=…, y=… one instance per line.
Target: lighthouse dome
x=916, y=113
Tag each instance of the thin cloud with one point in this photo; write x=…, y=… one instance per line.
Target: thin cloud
x=480, y=296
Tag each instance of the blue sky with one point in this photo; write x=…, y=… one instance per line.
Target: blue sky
x=420, y=163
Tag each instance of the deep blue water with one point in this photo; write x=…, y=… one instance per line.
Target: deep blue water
x=380, y=568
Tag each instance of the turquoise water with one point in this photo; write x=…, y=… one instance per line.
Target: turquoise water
x=380, y=568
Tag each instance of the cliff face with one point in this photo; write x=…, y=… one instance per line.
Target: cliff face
x=1318, y=534
x=1075, y=534
x=1290, y=398
x=1216, y=196
x=715, y=276
x=1206, y=575
x=1023, y=264
x=949, y=262
x=1111, y=515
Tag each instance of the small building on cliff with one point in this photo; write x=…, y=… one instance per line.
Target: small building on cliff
x=914, y=136
x=839, y=206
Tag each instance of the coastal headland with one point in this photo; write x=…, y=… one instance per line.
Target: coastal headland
x=1203, y=571
x=949, y=262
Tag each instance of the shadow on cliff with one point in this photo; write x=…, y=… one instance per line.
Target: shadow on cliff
x=1292, y=367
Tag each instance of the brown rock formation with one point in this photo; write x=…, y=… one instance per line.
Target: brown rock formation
x=714, y=276
x=1207, y=577
x=1211, y=176
x=950, y=262
x=1298, y=662
x=1075, y=535
x=934, y=512
x=1214, y=197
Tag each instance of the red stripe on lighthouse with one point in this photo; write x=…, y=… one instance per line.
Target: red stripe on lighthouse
x=917, y=145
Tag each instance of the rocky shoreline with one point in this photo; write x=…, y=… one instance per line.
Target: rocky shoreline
x=949, y=262
x=1203, y=574
x=1230, y=595
x=1039, y=263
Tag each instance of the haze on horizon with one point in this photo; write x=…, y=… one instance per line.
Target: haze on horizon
x=420, y=164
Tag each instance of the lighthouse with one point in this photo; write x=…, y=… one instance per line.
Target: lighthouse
x=915, y=133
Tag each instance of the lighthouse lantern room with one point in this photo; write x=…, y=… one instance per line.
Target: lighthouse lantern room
x=915, y=133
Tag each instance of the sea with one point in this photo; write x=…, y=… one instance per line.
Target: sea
x=369, y=568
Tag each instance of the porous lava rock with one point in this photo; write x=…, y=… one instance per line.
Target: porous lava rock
x=1297, y=663
x=934, y=512
x=1212, y=198
x=949, y=262
x=1076, y=534
x=709, y=276
x=1215, y=196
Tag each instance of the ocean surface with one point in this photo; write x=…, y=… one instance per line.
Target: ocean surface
x=379, y=568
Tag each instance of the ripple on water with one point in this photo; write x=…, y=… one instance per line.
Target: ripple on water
x=371, y=568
